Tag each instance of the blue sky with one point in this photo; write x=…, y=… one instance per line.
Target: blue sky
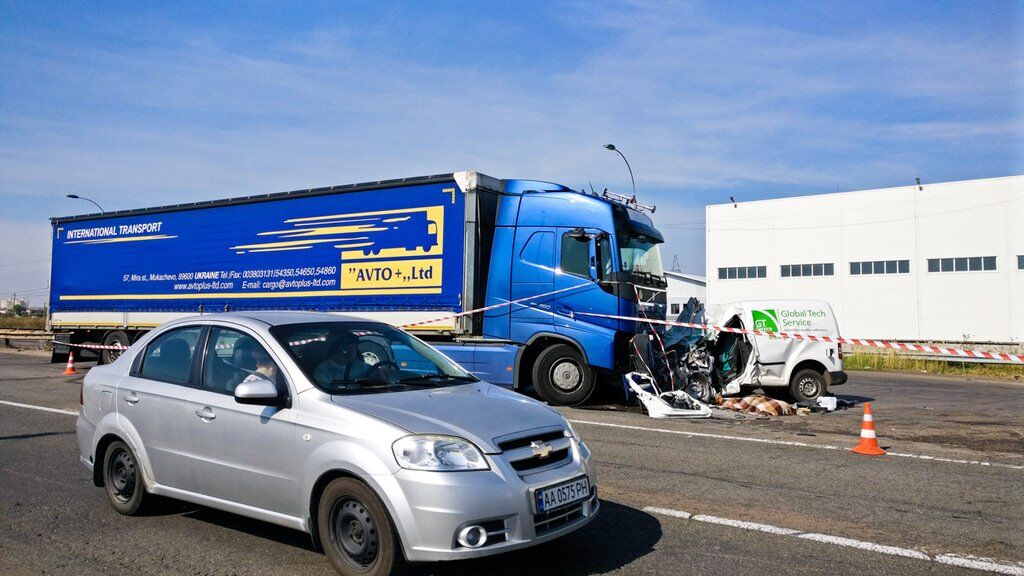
x=143, y=106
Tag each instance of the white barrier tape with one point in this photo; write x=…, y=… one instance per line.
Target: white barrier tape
x=92, y=346
x=939, y=350
x=494, y=306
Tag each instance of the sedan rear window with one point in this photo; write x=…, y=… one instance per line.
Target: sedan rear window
x=169, y=356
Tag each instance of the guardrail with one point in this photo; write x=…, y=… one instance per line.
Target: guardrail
x=8, y=334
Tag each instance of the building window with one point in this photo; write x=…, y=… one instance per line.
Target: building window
x=1020, y=262
x=963, y=264
x=675, y=308
x=742, y=272
x=795, y=270
x=875, y=267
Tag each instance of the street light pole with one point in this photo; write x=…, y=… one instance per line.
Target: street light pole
x=631, y=179
x=77, y=197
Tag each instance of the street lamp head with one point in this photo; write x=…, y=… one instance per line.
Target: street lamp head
x=609, y=147
x=75, y=196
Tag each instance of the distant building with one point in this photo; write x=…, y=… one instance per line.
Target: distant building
x=943, y=263
x=682, y=287
x=8, y=304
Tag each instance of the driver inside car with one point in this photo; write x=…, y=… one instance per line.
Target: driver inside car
x=344, y=363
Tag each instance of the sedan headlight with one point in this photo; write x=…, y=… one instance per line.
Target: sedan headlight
x=438, y=453
x=570, y=432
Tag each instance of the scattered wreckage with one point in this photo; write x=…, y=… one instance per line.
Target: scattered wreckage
x=682, y=371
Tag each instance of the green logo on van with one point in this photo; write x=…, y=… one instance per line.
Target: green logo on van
x=766, y=320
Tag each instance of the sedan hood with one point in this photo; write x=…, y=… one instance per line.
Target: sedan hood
x=478, y=412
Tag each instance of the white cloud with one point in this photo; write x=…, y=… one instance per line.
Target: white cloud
x=696, y=102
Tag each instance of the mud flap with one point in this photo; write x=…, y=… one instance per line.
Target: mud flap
x=675, y=404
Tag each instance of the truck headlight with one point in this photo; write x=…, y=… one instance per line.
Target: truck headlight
x=438, y=453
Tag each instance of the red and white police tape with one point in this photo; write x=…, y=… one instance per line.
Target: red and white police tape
x=494, y=306
x=889, y=345
x=886, y=344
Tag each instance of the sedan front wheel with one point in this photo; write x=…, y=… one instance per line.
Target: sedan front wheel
x=356, y=532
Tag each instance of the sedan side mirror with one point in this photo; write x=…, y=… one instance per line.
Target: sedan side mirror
x=262, y=392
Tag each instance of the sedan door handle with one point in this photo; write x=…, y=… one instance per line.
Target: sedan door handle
x=131, y=397
x=206, y=413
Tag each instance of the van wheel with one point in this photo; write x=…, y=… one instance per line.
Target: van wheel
x=561, y=377
x=806, y=385
x=356, y=532
x=115, y=338
x=122, y=477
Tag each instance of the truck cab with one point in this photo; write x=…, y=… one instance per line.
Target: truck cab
x=562, y=264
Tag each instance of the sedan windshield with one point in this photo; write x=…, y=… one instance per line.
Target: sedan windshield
x=640, y=254
x=366, y=357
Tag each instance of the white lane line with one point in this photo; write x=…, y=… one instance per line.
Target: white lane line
x=790, y=443
x=43, y=408
x=963, y=561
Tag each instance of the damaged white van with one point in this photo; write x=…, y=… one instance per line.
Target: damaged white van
x=728, y=363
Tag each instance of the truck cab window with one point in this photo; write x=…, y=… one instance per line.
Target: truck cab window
x=604, y=256
x=640, y=254
x=575, y=258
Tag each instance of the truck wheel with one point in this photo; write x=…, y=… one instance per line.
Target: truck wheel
x=115, y=338
x=356, y=532
x=806, y=385
x=122, y=477
x=561, y=377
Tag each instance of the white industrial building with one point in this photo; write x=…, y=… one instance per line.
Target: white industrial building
x=939, y=262
x=681, y=287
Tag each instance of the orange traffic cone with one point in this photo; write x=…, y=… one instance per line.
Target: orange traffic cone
x=868, y=442
x=70, y=370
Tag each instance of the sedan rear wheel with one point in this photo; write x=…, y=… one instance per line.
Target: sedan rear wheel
x=122, y=478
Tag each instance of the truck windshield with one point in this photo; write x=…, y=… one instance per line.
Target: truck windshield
x=366, y=358
x=640, y=255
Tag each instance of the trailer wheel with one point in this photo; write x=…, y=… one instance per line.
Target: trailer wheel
x=562, y=377
x=115, y=338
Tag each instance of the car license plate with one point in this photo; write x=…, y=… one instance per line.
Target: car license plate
x=552, y=497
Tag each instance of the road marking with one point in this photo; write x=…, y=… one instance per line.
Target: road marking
x=792, y=443
x=43, y=408
x=963, y=561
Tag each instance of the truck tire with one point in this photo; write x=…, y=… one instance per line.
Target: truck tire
x=806, y=385
x=356, y=533
x=561, y=376
x=114, y=338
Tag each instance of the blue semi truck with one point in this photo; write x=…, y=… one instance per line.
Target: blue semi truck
x=547, y=263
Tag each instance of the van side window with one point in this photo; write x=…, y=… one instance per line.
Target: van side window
x=575, y=256
x=168, y=357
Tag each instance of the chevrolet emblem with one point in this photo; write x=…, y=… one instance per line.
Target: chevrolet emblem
x=540, y=449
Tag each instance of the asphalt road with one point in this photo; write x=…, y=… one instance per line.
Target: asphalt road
x=777, y=496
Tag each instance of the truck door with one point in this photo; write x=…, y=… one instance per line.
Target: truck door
x=533, y=273
x=584, y=258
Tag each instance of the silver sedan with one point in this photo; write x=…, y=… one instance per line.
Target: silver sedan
x=377, y=445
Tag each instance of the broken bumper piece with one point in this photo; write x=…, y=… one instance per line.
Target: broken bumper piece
x=674, y=404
